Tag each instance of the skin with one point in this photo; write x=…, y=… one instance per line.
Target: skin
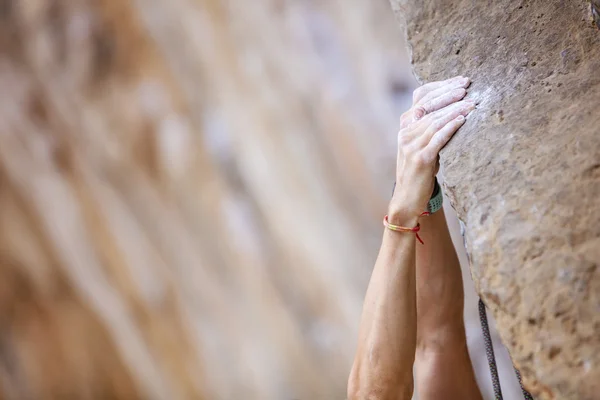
x=413, y=308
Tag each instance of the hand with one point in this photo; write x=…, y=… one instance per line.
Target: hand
x=435, y=116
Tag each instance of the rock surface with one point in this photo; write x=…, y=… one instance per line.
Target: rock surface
x=524, y=173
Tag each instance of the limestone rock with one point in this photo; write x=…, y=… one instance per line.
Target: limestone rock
x=524, y=173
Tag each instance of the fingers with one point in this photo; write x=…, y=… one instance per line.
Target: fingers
x=439, y=113
x=434, y=96
x=441, y=137
x=456, y=83
x=443, y=100
x=438, y=120
x=422, y=91
x=422, y=132
x=448, y=113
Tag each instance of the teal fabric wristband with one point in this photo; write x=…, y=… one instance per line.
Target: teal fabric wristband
x=437, y=199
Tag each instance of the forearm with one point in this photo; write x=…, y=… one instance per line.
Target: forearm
x=443, y=367
x=388, y=334
x=387, y=338
x=440, y=295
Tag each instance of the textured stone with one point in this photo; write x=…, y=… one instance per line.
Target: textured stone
x=524, y=173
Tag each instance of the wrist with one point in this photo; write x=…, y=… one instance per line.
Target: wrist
x=399, y=214
x=405, y=204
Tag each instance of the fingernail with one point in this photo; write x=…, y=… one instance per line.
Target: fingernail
x=460, y=118
x=464, y=80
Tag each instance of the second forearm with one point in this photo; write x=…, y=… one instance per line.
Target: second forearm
x=387, y=337
x=442, y=365
x=440, y=292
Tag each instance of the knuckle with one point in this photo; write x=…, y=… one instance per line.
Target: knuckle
x=404, y=132
x=431, y=131
x=430, y=122
x=426, y=120
x=409, y=151
x=419, y=112
x=406, y=118
x=421, y=160
x=417, y=93
x=419, y=127
x=403, y=121
x=403, y=138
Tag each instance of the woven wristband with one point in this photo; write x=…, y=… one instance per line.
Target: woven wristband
x=398, y=228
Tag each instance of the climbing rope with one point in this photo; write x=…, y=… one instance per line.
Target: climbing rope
x=526, y=394
x=489, y=351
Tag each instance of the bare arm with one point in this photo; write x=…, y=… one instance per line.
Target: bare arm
x=387, y=337
x=440, y=288
x=442, y=363
x=383, y=363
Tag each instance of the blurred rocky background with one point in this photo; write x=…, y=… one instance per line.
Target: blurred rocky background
x=191, y=194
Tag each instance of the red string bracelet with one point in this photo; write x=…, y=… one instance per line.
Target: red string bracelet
x=398, y=228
